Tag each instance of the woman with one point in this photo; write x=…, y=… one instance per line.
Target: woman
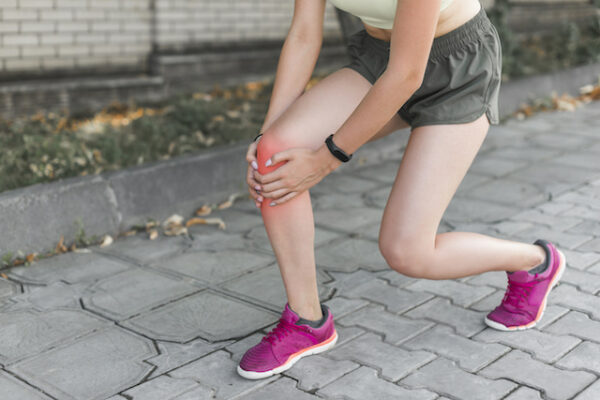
x=433, y=65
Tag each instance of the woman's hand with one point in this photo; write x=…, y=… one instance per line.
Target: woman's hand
x=304, y=168
x=252, y=166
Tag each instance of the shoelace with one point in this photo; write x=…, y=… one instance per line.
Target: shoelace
x=283, y=329
x=517, y=292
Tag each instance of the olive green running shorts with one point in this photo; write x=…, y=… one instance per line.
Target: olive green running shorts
x=462, y=78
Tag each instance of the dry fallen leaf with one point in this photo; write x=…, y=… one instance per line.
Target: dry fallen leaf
x=129, y=233
x=153, y=234
x=107, y=240
x=197, y=221
x=229, y=202
x=175, y=230
x=19, y=261
x=204, y=210
x=31, y=257
x=2, y=274
x=60, y=247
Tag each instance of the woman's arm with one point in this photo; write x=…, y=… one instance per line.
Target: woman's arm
x=412, y=36
x=298, y=57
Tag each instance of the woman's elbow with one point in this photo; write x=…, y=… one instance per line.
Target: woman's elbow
x=407, y=79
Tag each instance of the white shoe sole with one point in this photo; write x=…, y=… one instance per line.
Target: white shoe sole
x=291, y=361
x=561, y=269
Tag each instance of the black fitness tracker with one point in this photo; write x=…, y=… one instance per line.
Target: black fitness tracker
x=336, y=151
x=257, y=136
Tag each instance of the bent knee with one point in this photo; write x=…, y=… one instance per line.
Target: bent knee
x=271, y=142
x=407, y=258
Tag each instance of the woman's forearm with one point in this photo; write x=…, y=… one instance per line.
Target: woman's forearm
x=296, y=64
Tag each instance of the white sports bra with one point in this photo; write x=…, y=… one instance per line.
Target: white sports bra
x=378, y=13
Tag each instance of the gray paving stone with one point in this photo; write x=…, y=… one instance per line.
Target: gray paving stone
x=218, y=372
x=508, y=227
x=54, y=295
x=25, y=333
x=589, y=199
x=547, y=172
x=592, y=392
x=487, y=164
x=377, y=198
x=167, y=388
x=266, y=286
x=586, y=356
x=396, y=300
x=488, y=303
x=592, y=245
x=560, y=239
x=281, y=388
x=69, y=267
x=395, y=328
x=471, y=355
x=589, y=227
x=341, y=306
x=443, y=376
x=8, y=288
x=14, y=389
x=214, y=266
x=173, y=355
x=462, y=209
x=95, y=366
x=350, y=254
x=363, y=383
x=584, y=281
x=131, y=292
x=509, y=192
x=395, y=278
x=580, y=260
x=582, y=212
x=459, y=293
x=346, y=281
x=235, y=221
x=465, y=322
x=577, y=324
x=345, y=183
x=556, y=383
x=370, y=350
x=141, y=249
x=523, y=153
x=200, y=315
x=569, y=296
x=550, y=221
x=470, y=181
x=384, y=172
x=553, y=207
x=257, y=239
x=335, y=200
x=544, y=346
x=524, y=393
x=552, y=314
x=317, y=371
x=347, y=219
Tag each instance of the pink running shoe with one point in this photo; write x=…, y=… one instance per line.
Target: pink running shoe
x=288, y=342
x=524, y=302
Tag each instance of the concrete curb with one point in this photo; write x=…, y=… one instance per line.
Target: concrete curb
x=35, y=217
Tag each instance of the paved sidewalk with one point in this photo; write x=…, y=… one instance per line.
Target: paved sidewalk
x=169, y=319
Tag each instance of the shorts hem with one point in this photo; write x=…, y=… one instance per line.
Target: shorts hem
x=486, y=110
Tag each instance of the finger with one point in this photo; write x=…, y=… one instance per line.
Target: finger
x=285, y=198
x=278, y=157
x=270, y=176
x=274, y=196
x=252, y=184
x=269, y=188
x=251, y=152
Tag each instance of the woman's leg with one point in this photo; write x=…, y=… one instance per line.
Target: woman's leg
x=316, y=114
x=434, y=163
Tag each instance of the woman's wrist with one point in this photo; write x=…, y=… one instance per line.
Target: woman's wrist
x=328, y=160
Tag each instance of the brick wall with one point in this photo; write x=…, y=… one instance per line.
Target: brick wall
x=39, y=36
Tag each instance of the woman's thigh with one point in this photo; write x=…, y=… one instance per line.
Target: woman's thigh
x=434, y=163
x=322, y=109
